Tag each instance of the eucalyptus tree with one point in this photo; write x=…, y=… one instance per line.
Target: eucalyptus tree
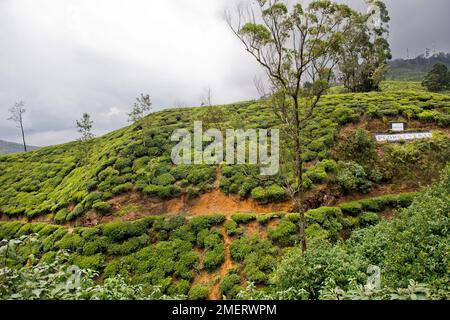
x=294, y=45
x=366, y=50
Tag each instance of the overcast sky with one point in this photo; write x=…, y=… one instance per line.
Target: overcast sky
x=66, y=57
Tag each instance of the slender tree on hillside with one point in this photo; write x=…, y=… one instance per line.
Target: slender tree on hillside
x=17, y=116
x=294, y=46
x=141, y=108
x=84, y=126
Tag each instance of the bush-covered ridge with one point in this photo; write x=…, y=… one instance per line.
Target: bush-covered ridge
x=58, y=180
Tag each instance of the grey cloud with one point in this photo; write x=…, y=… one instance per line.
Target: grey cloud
x=65, y=57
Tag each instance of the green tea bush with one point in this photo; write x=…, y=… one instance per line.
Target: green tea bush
x=214, y=257
x=233, y=229
x=201, y=174
x=162, y=192
x=229, y=285
x=128, y=246
x=71, y=242
x=96, y=245
x=76, y=212
x=369, y=219
x=60, y=216
x=102, y=207
x=273, y=193
x=120, y=230
x=164, y=180
x=243, y=217
x=94, y=262
x=351, y=208
x=285, y=234
x=351, y=177
x=122, y=188
x=198, y=292
x=180, y=287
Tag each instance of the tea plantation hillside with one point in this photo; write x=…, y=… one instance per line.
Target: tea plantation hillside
x=62, y=182
x=369, y=203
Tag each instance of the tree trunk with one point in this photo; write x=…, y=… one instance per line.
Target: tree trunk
x=299, y=174
x=23, y=135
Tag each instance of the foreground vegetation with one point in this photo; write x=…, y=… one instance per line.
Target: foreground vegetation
x=157, y=258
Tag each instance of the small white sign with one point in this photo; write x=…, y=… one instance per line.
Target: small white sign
x=403, y=136
x=400, y=126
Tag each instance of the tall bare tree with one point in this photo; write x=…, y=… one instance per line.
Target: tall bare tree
x=295, y=45
x=17, y=116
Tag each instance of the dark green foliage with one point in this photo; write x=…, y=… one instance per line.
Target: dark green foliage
x=369, y=219
x=233, y=229
x=328, y=218
x=351, y=177
x=163, y=192
x=229, y=286
x=257, y=256
x=122, y=188
x=119, y=230
x=102, y=207
x=285, y=234
x=351, y=208
x=94, y=262
x=198, y=292
x=243, y=217
x=273, y=193
x=438, y=79
x=315, y=268
x=164, y=180
x=60, y=216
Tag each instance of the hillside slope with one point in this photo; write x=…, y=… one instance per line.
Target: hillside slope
x=199, y=231
x=59, y=181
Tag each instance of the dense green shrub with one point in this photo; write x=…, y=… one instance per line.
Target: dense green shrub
x=162, y=192
x=94, y=262
x=102, y=207
x=76, y=212
x=351, y=208
x=233, y=229
x=60, y=216
x=164, y=180
x=351, y=177
x=243, y=217
x=229, y=286
x=285, y=234
x=122, y=188
x=369, y=219
x=273, y=193
x=198, y=292
x=314, y=269
x=120, y=230
x=214, y=257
